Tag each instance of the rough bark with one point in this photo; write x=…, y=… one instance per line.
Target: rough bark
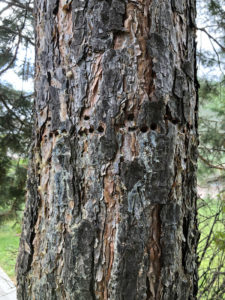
x=111, y=203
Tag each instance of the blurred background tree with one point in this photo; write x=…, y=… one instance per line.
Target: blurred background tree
x=211, y=204
x=16, y=40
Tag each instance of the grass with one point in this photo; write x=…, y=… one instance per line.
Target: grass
x=9, y=243
x=213, y=256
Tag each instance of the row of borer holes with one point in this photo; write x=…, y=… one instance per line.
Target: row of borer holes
x=130, y=117
x=143, y=128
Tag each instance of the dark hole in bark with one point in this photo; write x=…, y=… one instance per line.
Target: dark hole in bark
x=132, y=128
x=86, y=117
x=100, y=129
x=153, y=126
x=148, y=291
x=49, y=78
x=46, y=210
x=175, y=121
x=56, y=133
x=81, y=132
x=184, y=245
x=144, y=128
x=50, y=134
x=189, y=126
x=130, y=117
x=91, y=130
x=67, y=84
x=55, y=10
x=49, y=118
x=70, y=42
x=122, y=159
x=64, y=131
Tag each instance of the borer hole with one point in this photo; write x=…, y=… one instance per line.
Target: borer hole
x=86, y=117
x=100, y=129
x=144, y=128
x=91, y=129
x=153, y=126
x=132, y=128
x=175, y=121
x=130, y=117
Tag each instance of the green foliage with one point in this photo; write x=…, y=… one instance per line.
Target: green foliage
x=211, y=247
x=211, y=171
x=15, y=119
x=15, y=132
x=216, y=8
x=9, y=243
x=211, y=128
x=219, y=236
x=219, y=239
x=16, y=32
x=211, y=217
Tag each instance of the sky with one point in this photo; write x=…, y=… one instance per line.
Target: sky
x=205, y=44
x=12, y=78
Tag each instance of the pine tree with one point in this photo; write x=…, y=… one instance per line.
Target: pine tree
x=212, y=153
x=16, y=32
x=111, y=207
x=15, y=133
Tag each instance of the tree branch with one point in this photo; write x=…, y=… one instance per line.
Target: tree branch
x=211, y=37
x=17, y=46
x=22, y=36
x=209, y=164
x=211, y=149
x=13, y=59
x=11, y=111
x=19, y=5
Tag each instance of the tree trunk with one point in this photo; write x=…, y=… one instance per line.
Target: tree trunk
x=111, y=203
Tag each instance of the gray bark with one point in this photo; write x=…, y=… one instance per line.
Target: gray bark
x=111, y=202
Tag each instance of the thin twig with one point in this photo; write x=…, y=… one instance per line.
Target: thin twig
x=19, y=5
x=211, y=37
x=11, y=111
x=15, y=32
x=209, y=164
